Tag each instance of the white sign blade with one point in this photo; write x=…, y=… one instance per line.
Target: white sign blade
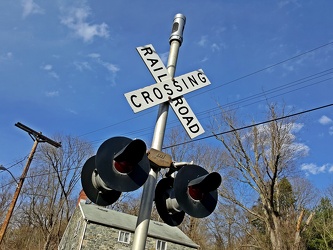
x=157, y=93
x=153, y=62
x=187, y=117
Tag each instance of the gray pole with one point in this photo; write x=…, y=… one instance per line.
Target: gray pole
x=147, y=198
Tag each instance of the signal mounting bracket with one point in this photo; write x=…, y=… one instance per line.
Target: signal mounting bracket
x=159, y=159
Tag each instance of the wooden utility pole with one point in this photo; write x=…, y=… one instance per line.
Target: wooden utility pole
x=37, y=137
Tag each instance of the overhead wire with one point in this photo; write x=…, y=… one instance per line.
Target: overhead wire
x=231, y=105
x=221, y=85
x=250, y=126
x=224, y=84
x=203, y=138
x=265, y=68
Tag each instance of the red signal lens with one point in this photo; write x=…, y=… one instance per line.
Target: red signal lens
x=195, y=193
x=123, y=167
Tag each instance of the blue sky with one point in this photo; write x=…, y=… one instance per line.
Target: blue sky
x=66, y=65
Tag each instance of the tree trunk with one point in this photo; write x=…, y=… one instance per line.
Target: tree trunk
x=274, y=233
x=298, y=231
x=47, y=242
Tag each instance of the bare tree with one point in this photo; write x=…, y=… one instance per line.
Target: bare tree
x=258, y=160
x=47, y=197
x=5, y=195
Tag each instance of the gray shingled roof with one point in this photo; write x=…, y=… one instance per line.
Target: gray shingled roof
x=107, y=217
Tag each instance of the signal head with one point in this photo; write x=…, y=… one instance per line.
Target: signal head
x=164, y=195
x=122, y=163
x=196, y=190
x=95, y=189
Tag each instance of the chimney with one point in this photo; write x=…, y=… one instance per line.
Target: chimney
x=82, y=197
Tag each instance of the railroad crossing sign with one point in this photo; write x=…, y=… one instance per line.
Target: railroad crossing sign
x=168, y=89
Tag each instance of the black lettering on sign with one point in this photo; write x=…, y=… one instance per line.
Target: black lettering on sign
x=183, y=110
x=153, y=62
x=158, y=69
x=175, y=83
x=202, y=77
x=194, y=128
x=166, y=87
x=189, y=119
x=178, y=100
x=192, y=80
x=132, y=100
x=146, y=96
x=157, y=92
x=184, y=115
x=184, y=83
x=147, y=50
x=160, y=76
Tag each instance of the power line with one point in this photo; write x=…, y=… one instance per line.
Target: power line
x=14, y=163
x=265, y=68
x=224, y=84
x=228, y=104
x=250, y=126
x=252, y=97
x=277, y=89
x=202, y=138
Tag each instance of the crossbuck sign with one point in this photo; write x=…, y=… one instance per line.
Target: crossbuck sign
x=168, y=90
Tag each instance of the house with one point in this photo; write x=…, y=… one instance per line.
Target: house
x=94, y=227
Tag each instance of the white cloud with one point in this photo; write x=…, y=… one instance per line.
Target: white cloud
x=30, y=7
x=52, y=93
x=291, y=145
x=313, y=168
x=215, y=47
x=76, y=20
x=94, y=55
x=324, y=120
x=110, y=67
x=72, y=111
x=7, y=56
x=284, y=3
x=48, y=68
x=53, y=75
x=296, y=127
x=81, y=66
x=330, y=130
x=300, y=148
x=203, y=41
x=205, y=59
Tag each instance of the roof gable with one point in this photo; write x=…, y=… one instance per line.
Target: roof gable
x=111, y=218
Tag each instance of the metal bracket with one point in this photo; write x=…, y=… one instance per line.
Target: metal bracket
x=175, y=166
x=159, y=159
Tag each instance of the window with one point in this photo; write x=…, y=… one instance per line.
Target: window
x=124, y=237
x=161, y=245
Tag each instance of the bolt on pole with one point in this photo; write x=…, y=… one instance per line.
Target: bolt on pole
x=38, y=137
x=141, y=230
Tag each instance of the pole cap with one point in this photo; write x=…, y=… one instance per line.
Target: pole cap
x=178, y=28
